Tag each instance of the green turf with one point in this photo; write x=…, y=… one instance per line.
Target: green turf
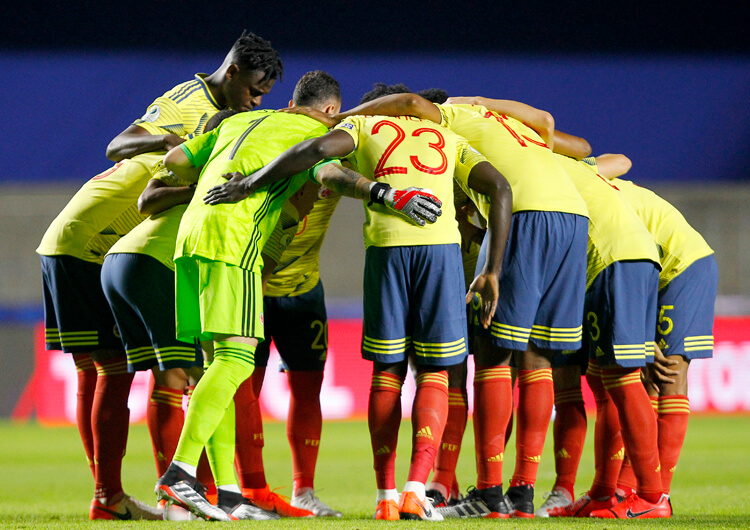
x=45, y=483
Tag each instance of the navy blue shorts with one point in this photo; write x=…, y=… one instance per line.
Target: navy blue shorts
x=685, y=321
x=298, y=326
x=414, y=301
x=621, y=314
x=543, y=282
x=140, y=291
x=579, y=357
x=77, y=318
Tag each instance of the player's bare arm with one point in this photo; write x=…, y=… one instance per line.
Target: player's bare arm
x=416, y=205
x=301, y=157
x=488, y=181
x=344, y=181
x=178, y=163
x=396, y=105
x=136, y=140
x=539, y=120
x=327, y=119
x=612, y=166
x=393, y=105
x=570, y=145
x=159, y=196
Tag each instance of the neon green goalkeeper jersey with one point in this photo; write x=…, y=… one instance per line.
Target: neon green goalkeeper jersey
x=235, y=233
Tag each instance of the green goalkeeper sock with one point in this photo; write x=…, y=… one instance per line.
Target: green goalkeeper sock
x=233, y=363
x=220, y=449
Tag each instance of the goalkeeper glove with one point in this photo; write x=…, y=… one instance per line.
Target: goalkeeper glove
x=418, y=205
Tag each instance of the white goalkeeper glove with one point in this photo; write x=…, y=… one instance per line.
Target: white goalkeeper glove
x=418, y=205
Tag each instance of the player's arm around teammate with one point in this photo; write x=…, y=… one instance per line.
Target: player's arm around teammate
x=159, y=196
x=539, y=120
x=419, y=206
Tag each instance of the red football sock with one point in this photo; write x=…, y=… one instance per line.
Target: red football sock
x=249, y=432
x=164, y=418
x=626, y=483
x=569, y=436
x=384, y=419
x=493, y=403
x=655, y=405
x=86, y=372
x=455, y=491
x=639, y=428
x=609, y=449
x=109, y=422
x=444, y=470
x=509, y=427
x=304, y=425
x=674, y=412
x=536, y=396
x=428, y=415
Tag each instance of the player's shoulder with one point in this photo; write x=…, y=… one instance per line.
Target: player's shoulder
x=463, y=109
x=183, y=90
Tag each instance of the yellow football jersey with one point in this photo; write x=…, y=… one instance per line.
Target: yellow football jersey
x=104, y=209
x=615, y=231
x=101, y=212
x=156, y=235
x=298, y=270
x=183, y=111
x=518, y=152
x=283, y=233
x=408, y=152
x=680, y=244
x=469, y=250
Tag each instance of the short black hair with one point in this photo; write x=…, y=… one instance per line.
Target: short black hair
x=434, y=95
x=252, y=52
x=381, y=89
x=217, y=118
x=316, y=87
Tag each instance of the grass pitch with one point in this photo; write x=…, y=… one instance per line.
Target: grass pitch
x=45, y=482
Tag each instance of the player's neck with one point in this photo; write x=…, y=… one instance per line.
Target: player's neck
x=214, y=82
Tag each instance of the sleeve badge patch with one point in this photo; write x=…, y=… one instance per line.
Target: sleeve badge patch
x=152, y=114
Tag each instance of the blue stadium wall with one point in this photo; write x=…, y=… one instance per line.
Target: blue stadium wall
x=679, y=118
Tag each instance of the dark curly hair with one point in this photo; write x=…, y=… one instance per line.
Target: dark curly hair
x=252, y=52
x=381, y=89
x=217, y=118
x=434, y=95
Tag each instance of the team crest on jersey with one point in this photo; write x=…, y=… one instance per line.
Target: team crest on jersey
x=152, y=114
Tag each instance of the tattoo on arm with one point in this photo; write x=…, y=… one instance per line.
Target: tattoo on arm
x=344, y=181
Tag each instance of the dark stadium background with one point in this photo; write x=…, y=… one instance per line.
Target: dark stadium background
x=665, y=83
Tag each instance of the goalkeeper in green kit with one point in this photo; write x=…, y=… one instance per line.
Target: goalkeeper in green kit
x=218, y=264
